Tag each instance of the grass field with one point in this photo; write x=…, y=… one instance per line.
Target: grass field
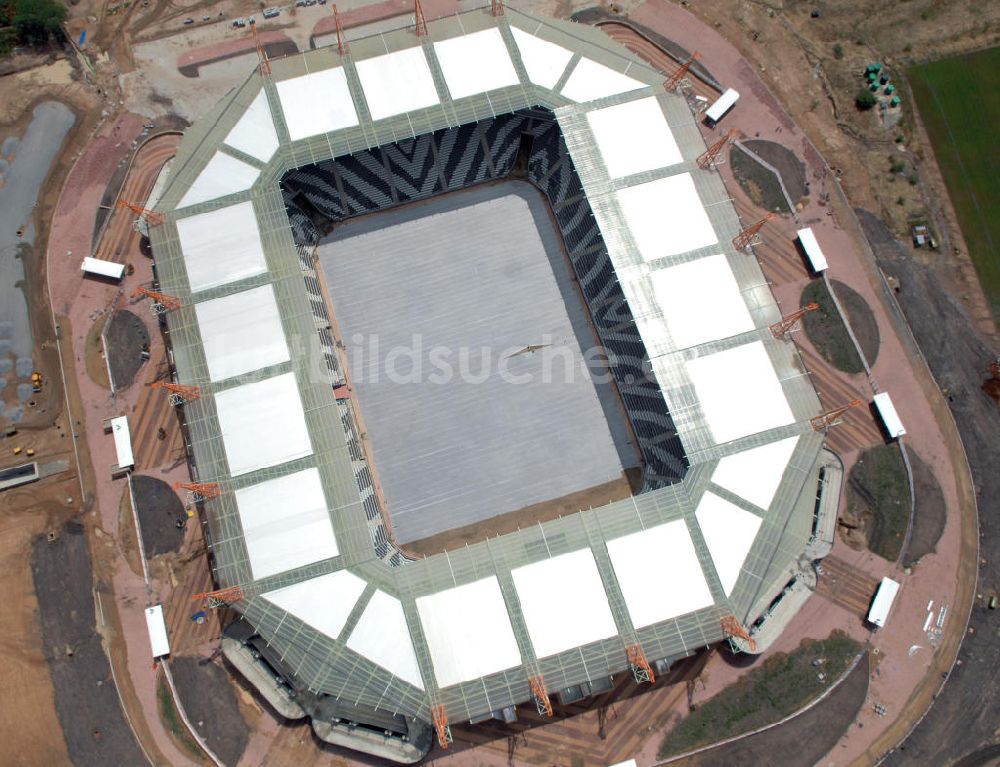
x=782, y=684
x=877, y=488
x=826, y=330
x=959, y=101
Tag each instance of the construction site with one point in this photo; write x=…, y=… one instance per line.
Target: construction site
x=443, y=390
x=311, y=472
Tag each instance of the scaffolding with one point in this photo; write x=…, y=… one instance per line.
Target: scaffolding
x=832, y=417
x=781, y=328
x=220, y=597
x=162, y=303
x=342, y=47
x=751, y=235
x=441, y=725
x=713, y=155
x=641, y=670
x=542, y=703
x=736, y=634
x=179, y=393
x=199, y=491
x=679, y=77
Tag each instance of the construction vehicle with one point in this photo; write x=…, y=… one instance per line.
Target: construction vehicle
x=36, y=381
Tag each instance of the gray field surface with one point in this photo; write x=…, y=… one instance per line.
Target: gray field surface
x=438, y=304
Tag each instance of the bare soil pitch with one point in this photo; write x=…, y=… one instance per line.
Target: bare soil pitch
x=123, y=342
x=86, y=701
x=930, y=513
x=206, y=691
x=159, y=508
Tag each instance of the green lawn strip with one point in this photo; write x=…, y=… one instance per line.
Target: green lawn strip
x=783, y=684
x=758, y=182
x=827, y=331
x=878, y=482
x=959, y=101
x=171, y=718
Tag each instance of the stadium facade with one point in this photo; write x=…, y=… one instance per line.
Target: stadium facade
x=336, y=623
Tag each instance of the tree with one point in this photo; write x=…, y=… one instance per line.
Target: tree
x=34, y=22
x=865, y=99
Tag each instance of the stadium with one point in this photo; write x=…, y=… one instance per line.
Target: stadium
x=506, y=184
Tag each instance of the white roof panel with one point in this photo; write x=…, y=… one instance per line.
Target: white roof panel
x=157, y=628
x=475, y=63
x=659, y=573
x=754, y=475
x=254, y=133
x=634, y=137
x=666, y=217
x=397, y=82
x=382, y=636
x=590, y=81
x=563, y=602
x=544, y=62
x=318, y=102
x=241, y=332
x=324, y=602
x=701, y=301
x=262, y=424
x=739, y=392
x=221, y=246
x=729, y=533
x=123, y=442
x=222, y=175
x=286, y=523
x=468, y=632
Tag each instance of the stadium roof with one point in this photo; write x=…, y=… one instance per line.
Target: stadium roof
x=564, y=598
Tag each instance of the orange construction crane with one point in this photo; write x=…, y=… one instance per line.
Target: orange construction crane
x=541, y=695
x=265, y=65
x=342, y=47
x=675, y=79
x=731, y=627
x=441, y=725
x=496, y=8
x=161, y=301
x=179, y=393
x=151, y=217
x=832, y=417
x=221, y=597
x=641, y=669
x=780, y=328
x=419, y=21
x=749, y=235
x=201, y=491
x=710, y=156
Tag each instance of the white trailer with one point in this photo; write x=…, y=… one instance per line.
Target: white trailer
x=722, y=105
x=884, y=597
x=123, y=442
x=101, y=268
x=817, y=260
x=890, y=419
x=157, y=627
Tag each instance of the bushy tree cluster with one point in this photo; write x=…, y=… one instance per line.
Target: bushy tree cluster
x=30, y=22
